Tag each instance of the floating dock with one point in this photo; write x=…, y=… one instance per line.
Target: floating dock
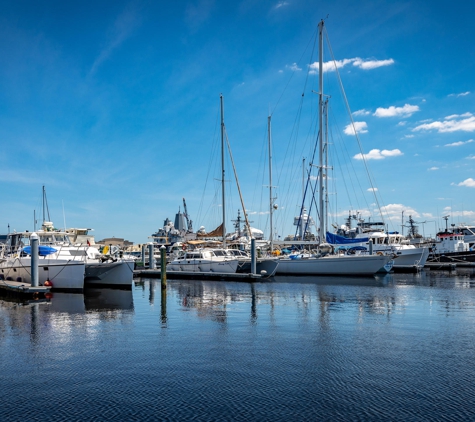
x=190, y=275
x=22, y=288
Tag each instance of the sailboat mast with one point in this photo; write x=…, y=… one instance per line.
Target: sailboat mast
x=271, y=199
x=320, y=120
x=222, y=170
x=326, y=164
x=44, y=201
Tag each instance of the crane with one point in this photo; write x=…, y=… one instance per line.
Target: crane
x=189, y=223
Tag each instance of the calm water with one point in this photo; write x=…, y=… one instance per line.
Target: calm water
x=399, y=347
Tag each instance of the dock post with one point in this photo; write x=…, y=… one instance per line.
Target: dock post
x=163, y=266
x=253, y=256
x=34, y=260
x=143, y=256
x=151, y=258
x=371, y=246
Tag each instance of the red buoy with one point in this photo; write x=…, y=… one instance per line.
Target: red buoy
x=48, y=283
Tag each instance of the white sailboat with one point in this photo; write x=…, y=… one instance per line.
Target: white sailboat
x=323, y=262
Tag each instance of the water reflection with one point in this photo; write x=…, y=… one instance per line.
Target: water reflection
x=360, y=297
x=63, y=311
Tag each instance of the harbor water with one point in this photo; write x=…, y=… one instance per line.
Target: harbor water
x=399, y=347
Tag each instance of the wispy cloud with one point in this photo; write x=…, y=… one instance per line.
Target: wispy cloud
x=196, y=14
x=293, y=67
x=122, y=29
x=376, y=154
x=371, y=64
x=394, y=211
x=469, y=183
x=356, y=62
x=362, y=112
x=462, y=94
x=471, y=157
x=359, y=127
x=372, y=189
x=459, y=143
x=281, y=4
x=406, y=111
x=453, y=123
x=433, y=168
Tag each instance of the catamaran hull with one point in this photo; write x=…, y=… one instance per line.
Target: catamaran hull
x=110, y=274
x=63, y=274
x=333, y=265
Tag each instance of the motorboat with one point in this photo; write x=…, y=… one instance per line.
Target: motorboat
x=205, y=260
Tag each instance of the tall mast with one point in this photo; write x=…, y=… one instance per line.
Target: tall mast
x=320, y=120
x=222, y=170
x=271, y=199
x=326, y=165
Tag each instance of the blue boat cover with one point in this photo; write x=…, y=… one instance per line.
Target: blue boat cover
x=335, y=239
x=43, y=250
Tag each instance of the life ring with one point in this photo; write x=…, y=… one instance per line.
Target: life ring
x=183, y=247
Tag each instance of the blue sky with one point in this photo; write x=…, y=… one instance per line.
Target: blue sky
x=114, y=107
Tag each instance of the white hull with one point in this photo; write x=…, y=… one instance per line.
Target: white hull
x=204, y=266
x=416, y=257
x=333, y=265
x=63, y=274
x=110, y=274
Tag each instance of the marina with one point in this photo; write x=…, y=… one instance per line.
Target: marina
x=395, y=347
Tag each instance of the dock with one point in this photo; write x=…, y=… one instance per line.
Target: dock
x=22, y=288
x=190, y=275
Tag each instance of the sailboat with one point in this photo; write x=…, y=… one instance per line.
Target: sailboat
x=324, y=262
x=222, y=259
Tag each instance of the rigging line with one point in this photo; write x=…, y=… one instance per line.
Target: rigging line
x=307, y=183
x=314, y=37
x=249, y=232
x=211, y=159
x=353, y=125
x=346, y=154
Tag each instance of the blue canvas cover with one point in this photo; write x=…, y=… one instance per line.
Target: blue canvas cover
x=335, y=239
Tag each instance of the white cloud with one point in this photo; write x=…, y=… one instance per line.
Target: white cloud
x=471, y=157
x=433, y=168
x=362, y=112
x=406, y=111
x=372, y=189
x=281, y=4
x=451, y=124
x=462, y=94
x=372, y=64
x=376, y=154
x=470, y=183
x=455, y=116
x=459, y=143
x=356, y=61
x=409, y=136
x=359, y=127
x=293, y=67
x=403, y=123
x=394, y=211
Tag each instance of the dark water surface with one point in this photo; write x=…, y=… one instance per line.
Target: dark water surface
x=395, y=348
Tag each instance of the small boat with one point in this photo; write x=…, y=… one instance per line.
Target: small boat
x=205, y=260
